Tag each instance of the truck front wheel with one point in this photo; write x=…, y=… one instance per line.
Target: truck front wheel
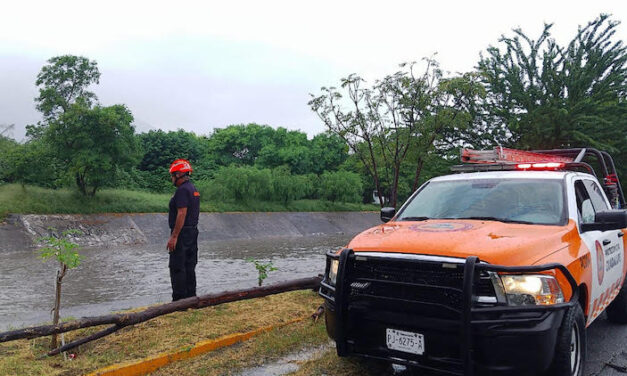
x=570, y=351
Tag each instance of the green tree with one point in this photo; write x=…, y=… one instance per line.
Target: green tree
x=22, y=163
x=93, y=143
x=64, y=251
x=544, y=95
x=7, y=145
x=328, y=152
x=239, y=144
x=449, y=121
x=401, y=112
x=63, y=82
x=160, y=148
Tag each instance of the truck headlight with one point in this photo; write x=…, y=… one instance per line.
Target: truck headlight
x=333, y=271
x=532, y=290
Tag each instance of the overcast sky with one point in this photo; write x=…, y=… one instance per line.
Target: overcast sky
x=208, y=64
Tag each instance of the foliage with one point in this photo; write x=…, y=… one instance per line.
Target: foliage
x=341, y=186
x=89, y=142
x=93, y=143
x=7, y=145
x=547, y=96
x=328, y=151
x=262, y=269
x=61, y=248
x=264, y=147
x=64, y=81
x=21, y=163
x=161, y=148
x=400, y=112
x=242, y=183
x=543, y=95
x=288, y=187
x=239, y=144
x=64, y=251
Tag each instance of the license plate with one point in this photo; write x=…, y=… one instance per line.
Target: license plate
x=405, y=341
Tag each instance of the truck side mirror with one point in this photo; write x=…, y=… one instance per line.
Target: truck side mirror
x=607, y=220
x=387, y=214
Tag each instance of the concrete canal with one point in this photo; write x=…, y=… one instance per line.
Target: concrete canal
x=125, y=259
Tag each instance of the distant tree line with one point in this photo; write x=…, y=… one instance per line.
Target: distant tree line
x=386, y=137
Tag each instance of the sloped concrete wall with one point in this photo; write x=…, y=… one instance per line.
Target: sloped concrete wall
x=21, y=231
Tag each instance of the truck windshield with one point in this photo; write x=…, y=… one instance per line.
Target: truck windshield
x=506, y=200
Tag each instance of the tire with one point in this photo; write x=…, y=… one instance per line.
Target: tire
x=617, y=310
x=570, y=349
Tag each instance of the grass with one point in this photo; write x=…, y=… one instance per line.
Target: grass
x=15, y=198
x=255, y=352
x=179, y=330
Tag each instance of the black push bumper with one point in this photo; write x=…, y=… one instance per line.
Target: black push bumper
x=475, y=339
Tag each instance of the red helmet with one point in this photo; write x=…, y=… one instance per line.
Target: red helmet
x=181, y=165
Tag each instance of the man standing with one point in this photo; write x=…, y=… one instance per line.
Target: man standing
x=183, y=242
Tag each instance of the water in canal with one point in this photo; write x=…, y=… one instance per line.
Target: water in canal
x=118, y=278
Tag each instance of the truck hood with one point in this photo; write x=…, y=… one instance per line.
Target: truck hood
x=494, y=242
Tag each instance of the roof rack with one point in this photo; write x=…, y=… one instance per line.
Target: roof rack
x=504, y=159
x=505, y=155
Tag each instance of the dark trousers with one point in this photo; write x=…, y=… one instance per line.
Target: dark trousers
x=183, y=264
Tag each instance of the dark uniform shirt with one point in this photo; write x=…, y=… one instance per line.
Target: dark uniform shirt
x=186, y=196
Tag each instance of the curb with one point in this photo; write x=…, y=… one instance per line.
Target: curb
x=151, y=364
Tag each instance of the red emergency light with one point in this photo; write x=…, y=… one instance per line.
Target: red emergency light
x=550, y=166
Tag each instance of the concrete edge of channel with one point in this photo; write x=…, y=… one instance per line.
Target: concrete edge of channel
x=151, y=364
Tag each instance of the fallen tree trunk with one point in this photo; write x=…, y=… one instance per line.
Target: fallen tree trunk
x=73, y=344
x=125, y=319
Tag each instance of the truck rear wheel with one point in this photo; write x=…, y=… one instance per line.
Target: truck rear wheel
x=617, y=310
x=570, y=351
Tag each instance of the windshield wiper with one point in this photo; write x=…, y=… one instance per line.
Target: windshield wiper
x=504, y=220
x=414, y=218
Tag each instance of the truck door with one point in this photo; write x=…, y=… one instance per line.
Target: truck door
x=606, y=247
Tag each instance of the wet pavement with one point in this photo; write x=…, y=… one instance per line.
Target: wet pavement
x=289, y=363
x=606, y=356
x=127, y=277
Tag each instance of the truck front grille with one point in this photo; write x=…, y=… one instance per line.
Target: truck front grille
x=430, y=288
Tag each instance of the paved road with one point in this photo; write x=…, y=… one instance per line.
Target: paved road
x=607, y=349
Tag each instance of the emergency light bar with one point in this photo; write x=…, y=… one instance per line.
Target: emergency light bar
x=503, y=159
x=504, y=155
x=541, y=166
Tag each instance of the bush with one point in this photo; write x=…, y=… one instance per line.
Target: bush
x=157, y=181
x=288, y=187
x=341, y=186
x=279, y=185
x=240, y=183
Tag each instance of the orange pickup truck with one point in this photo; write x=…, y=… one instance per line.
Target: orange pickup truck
x=496, y=270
